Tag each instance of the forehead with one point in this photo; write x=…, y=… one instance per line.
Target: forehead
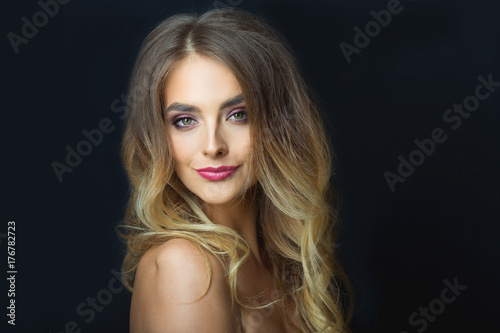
x=200, y=81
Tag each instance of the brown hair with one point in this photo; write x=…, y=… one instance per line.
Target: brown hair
x=291, y=159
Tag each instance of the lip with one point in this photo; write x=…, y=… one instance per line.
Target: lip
x=218, y=173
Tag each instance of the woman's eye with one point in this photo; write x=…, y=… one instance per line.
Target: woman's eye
x=238, y=116
x=183, y=122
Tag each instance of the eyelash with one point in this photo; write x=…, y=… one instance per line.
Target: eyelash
x=237, y=111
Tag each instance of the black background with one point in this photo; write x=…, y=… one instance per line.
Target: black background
x=398, y=247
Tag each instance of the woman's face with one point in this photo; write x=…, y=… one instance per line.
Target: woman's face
x=208, y=129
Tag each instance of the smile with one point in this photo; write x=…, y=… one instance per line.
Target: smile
x=219, y=173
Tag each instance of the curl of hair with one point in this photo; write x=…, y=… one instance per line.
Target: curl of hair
x=291, y=159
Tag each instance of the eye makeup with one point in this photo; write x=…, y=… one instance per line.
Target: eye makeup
x=240, y=115
x=185, y=121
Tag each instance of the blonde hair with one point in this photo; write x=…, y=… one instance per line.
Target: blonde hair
x=291, y=159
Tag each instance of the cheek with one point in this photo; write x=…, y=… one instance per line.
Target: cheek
x=246, y=144
x=180, y=150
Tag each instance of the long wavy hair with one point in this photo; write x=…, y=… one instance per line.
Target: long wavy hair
x=292, y=160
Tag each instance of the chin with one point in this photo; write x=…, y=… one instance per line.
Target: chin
x=211, y=200
x=214, y=194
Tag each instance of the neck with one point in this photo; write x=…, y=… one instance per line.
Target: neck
x=241, y=216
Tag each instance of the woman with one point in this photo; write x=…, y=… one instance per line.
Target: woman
x=230, y=223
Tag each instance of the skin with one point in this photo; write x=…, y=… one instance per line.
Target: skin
x=211, y=137
x=169, y=289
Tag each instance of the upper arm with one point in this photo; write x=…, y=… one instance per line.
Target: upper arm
x=170, y=292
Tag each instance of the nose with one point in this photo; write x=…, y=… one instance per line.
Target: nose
x=215, y=145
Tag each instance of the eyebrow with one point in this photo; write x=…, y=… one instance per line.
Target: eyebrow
x=190, y=108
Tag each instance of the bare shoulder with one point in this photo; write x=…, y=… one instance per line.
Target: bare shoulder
x=172, y=294
x=183, y=265
x=179, y=260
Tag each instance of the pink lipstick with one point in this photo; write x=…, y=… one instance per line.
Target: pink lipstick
x=219, y=173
